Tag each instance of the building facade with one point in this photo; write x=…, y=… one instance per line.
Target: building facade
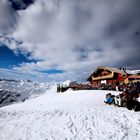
x=109, y=75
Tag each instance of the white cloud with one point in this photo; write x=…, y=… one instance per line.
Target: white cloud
x=78, y=35
x=7, y=17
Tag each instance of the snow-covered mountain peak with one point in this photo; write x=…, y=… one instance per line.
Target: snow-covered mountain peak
x=26, y=89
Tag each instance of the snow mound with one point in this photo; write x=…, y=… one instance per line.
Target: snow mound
x=66, y=83
x=72, y=115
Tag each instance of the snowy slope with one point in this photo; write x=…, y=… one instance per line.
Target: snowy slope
x=72, y=115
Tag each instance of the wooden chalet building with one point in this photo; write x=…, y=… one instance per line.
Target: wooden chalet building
x=107, y=75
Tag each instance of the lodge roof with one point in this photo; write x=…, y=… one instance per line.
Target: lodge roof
x=133, y=72
x=121, y=71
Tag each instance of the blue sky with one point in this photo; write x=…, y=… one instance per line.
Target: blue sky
x=58, y=40
x=8, y=58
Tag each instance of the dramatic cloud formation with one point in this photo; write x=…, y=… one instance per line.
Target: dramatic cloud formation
x=20, y=4
x=7, y=17
x=74, y=36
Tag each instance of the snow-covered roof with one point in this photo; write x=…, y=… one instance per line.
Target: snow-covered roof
x=133, y=71
x=113, y=69
x=116, y=70
x=108, y=68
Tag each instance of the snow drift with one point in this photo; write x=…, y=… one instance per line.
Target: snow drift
x=72, y=115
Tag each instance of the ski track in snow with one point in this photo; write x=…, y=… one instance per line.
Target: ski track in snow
x=100, y=122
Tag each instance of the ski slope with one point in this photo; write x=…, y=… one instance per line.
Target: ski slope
x=72, y=115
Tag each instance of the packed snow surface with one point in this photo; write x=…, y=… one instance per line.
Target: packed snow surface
x=72, y=115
